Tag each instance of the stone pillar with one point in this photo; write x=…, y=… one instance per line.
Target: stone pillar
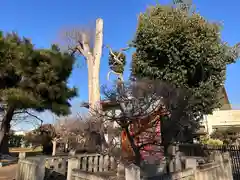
x=191, y=163
x=132, y=172
x=113, y=164
x=120, y=169
x=90, y=164
x=178, y=162
x=84, y=163
x=228, y=165
x=95, y=163
x=22, y=155
x=101, y=163
x=106, y=163
x=73, y=163
x=41, y=169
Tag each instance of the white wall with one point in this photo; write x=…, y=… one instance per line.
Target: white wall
x=221, y=118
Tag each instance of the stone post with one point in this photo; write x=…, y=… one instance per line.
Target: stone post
x=228, y=165
x=132, y=172
x=191, y=163
x=106, y=163
x=22, y=155
x=73, y=163
x=84, y=163
x=90, y=163
x=101, y=163
x=95, y=163
x=120, y=169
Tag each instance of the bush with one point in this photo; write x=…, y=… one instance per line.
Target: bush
x=210, y=141
x=228, y=136
x=40, y=138
x=15, y=140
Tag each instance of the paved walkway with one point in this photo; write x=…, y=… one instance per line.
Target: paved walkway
x=8, y=172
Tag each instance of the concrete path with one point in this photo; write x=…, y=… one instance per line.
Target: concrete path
x=8, y=172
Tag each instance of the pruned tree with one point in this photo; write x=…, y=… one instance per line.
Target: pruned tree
x=89, y=45
x=85, y=43
x=31, y=79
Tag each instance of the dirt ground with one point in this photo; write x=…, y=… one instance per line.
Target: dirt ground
x=8, y=172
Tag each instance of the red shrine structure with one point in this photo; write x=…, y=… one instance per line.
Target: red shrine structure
x=147, y=130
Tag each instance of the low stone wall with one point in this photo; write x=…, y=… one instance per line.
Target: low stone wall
x=62, y=167
x=91, y=163
x=99, y=167
x=84, y=175
x=30, y=169
x=220, y=169
x=56, y=165
x=214, y=172
x=187, y=174
x=36, y=168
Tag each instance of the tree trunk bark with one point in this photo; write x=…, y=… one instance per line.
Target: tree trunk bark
x=5, y=129
x=93, y=75
x=90, y=84
x=54, y=144
x=96, y=89
x=136, y=150
x=94, y=68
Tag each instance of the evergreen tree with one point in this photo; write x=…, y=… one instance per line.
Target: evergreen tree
x=185, y=50
x=32, y=79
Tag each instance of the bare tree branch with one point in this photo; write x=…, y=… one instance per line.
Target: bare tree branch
x=116, y=58
x=140, y=106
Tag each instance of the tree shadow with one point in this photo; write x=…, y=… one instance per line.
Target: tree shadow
x=154, y=171
x=53, y=175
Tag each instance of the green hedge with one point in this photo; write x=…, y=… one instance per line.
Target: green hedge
x=15, y=141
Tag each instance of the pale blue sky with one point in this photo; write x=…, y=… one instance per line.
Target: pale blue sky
x=42, y=20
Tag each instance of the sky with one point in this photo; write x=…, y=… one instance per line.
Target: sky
x=43, y=20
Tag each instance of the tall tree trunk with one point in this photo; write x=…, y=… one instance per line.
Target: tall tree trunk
x=134, y=147
x=54, y=144
x=94, y=75
x=90, y=84
x=5, y=129
x=94, y=68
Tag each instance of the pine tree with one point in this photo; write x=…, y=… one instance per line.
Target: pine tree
x=32, y=79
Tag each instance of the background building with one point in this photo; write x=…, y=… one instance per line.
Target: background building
x=221, y=118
